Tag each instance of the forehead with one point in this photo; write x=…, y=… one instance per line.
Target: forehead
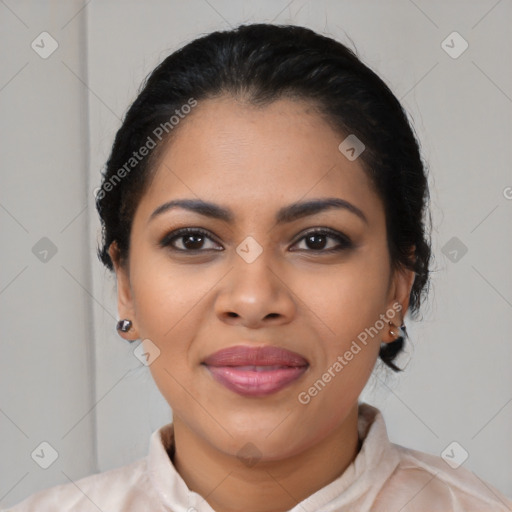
x=255, y=159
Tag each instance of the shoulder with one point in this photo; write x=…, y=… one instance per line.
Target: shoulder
x=422, y=481
x=116, y=489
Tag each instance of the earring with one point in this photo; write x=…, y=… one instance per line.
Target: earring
x=124, y=325
x=399, y=332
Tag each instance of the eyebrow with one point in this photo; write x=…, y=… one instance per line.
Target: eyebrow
x=284, y=215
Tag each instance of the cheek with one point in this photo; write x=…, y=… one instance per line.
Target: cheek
x=349, y=355
x=165, y=317
x=346, y=298
x=162, y=318
x=165, y=295
x=334, y=392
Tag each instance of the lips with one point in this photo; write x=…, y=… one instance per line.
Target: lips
x=255, y=371
x=255, y=356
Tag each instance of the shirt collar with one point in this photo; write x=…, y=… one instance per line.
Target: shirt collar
x=359, y=484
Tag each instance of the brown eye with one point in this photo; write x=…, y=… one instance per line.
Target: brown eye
x=322, y=241
x=190, y=239
x=318, y=241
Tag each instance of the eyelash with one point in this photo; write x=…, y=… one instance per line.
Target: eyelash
x=344, y=242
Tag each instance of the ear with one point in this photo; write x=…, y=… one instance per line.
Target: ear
x=125, y=303
x=399, y=298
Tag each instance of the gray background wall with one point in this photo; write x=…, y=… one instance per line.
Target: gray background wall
x=66, y=378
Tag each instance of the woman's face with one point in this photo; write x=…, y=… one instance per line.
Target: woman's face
x=256, y=280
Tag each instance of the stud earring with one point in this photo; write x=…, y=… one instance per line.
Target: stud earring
x=124, y=325
x=397, y=331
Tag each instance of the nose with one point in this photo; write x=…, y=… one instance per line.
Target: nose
x=255, y=294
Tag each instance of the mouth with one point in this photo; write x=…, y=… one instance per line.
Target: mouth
x=255, y=371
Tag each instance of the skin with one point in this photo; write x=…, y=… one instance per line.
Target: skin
x=305, y=300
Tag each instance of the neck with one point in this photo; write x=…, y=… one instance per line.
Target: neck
x=277, y=485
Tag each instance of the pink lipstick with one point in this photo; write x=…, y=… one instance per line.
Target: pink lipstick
x=255, y=371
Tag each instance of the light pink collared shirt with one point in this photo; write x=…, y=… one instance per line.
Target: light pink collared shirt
x=384, y=477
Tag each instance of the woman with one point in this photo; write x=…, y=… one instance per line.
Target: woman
x=264, y=211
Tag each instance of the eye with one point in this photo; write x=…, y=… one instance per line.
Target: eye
x=192, y=239
x=317, y=240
